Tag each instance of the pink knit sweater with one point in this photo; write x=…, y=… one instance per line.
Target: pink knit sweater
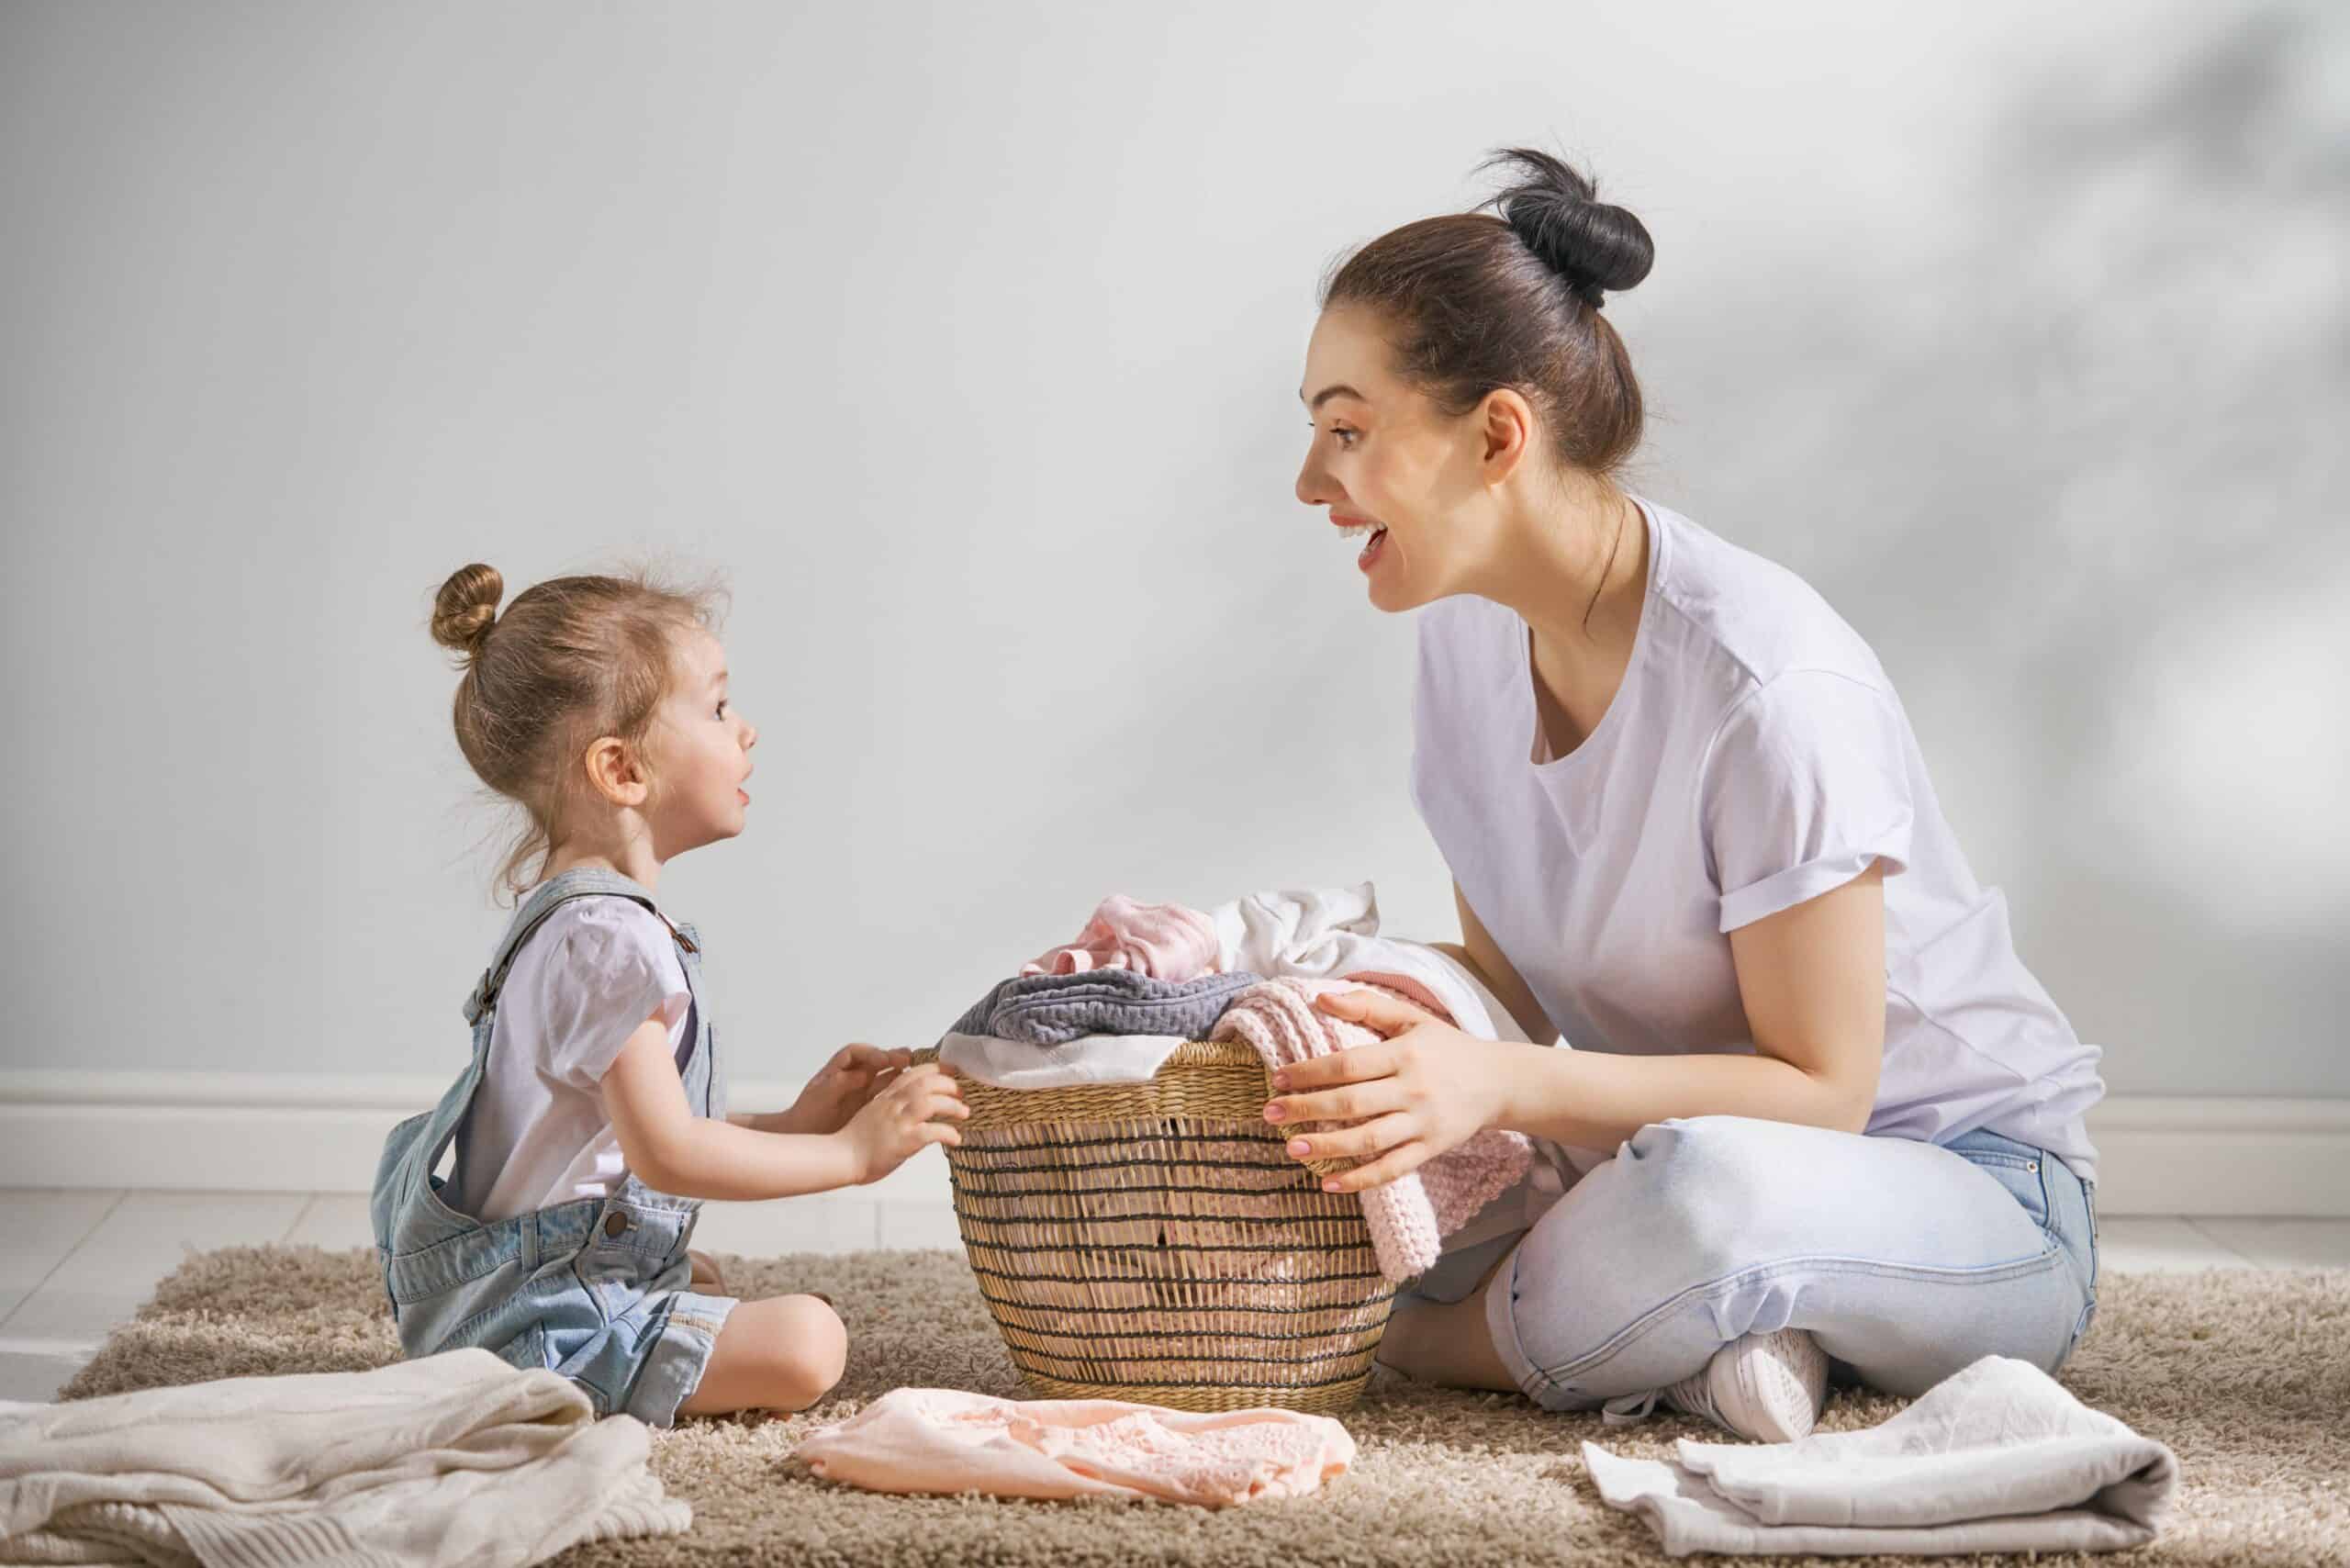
x=1409, y=1217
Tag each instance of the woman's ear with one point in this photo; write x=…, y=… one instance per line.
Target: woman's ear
x=1506, y=422
x=616, y=771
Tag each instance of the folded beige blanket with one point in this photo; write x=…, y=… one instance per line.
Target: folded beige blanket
x=941, y=1439
x=458, y=1458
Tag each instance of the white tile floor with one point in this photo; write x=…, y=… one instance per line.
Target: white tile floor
x=74, y=1264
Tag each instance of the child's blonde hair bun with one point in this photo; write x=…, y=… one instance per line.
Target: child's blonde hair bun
x=466, y=607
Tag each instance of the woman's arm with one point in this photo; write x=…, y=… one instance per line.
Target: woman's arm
x=1486, y=961
x=1812, y=980
x=672, y=1150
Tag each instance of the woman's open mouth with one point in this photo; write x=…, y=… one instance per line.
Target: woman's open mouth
x=1372, y=551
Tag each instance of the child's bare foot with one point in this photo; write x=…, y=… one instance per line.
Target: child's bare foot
x=707, y=1280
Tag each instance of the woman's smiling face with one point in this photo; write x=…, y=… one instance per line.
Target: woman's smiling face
x=1385, y=458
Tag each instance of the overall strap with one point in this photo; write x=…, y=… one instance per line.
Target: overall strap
x=585, y=883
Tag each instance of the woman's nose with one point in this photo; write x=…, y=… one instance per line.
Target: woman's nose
x=1313, y=487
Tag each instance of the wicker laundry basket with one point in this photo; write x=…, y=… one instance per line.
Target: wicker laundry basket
x=1155, y=1242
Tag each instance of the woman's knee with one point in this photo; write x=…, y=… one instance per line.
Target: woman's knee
x=1679, y=1207
x=1704, y=1185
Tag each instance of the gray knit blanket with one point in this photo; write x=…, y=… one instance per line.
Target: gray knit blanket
x=1049, y=1009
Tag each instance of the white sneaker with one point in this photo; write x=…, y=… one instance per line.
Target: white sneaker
x=1767, y=1388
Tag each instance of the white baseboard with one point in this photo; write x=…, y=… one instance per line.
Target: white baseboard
x=259, y=1132
x=255, y=1132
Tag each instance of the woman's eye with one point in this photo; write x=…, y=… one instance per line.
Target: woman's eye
x=1346, y=437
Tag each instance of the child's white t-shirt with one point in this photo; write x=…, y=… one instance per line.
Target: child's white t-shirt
x=535, y=1136
x=1754, y=756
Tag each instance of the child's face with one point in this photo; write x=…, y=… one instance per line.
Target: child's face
x=702, y=752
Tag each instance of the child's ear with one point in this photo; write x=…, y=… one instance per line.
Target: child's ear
x=616, y=771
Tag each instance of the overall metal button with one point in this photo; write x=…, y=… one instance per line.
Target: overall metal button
x=2032, y=1165
x=616, y=1224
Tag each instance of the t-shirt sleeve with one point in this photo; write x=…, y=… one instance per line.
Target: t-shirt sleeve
x=611, y=967
x=1806, y=782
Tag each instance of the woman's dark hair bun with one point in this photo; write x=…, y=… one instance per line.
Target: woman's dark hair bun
x=466, y=607
x=1598, y=248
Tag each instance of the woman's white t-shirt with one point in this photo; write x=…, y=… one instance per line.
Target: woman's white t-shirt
x=1754, y=757
x=535, y=1136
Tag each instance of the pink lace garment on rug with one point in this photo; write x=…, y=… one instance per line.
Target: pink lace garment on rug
x=946, y=1441
x=1410, y=1216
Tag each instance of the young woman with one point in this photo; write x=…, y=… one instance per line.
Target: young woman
x=1690, y=829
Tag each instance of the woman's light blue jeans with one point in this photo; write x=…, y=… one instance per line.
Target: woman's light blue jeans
x=1907, y=1260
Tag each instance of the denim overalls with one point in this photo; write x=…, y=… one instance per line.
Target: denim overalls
x=593, y=1289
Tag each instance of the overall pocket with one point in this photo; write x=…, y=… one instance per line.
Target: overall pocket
x=613, y=1267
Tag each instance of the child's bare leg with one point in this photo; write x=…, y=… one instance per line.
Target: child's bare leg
x=783, y=1353
x=1448, y=1342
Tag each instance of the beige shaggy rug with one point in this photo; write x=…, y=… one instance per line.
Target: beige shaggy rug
x=2245, y=1373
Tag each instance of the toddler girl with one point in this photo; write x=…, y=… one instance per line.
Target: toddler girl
x=592, y=1118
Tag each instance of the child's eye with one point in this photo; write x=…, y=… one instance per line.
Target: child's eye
x=721, y=708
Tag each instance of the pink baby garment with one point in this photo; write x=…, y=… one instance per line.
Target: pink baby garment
x=944, y=1441
x=1165, y=941
x=1410, y=1216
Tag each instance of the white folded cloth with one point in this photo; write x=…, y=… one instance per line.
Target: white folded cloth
x=1997, y=1457
x=1089, y=1058
x=1333, y=932
x=455, y=1458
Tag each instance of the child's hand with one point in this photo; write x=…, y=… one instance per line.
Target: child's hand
x=843, y=1086
x=900, y=1120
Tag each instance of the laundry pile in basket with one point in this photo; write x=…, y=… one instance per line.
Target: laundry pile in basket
x=1139, y=980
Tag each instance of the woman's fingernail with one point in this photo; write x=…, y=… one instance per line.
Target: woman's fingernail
x=1299, y=1145
x=1273, y=1113
x=1329, y=1186
x=1281, y=1081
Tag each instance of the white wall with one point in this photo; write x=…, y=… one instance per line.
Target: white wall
x=965, y=340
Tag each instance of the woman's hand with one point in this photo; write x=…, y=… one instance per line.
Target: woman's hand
x=841, y=1088
x=903, y=1118
x=1424, y=1089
